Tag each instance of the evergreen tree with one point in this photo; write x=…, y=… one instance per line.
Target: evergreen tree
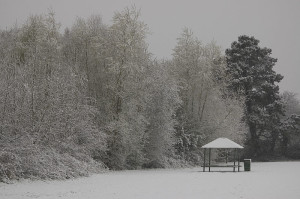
x=251, y=75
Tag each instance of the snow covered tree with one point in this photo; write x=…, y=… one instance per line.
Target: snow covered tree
x=48, y=129
x=127, y=59
x=117, y=68
x=252, y=76
x=290, y=130
x=204, y=114
x=162, y=102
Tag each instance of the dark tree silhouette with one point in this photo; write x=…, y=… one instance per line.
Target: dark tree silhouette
x=250, y=68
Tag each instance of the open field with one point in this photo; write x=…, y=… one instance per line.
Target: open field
x=266, y=181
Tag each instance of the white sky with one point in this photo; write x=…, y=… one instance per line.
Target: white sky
x=276, y=23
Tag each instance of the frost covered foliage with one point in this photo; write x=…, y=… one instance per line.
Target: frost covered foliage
x=289, y=139
x=163, y=102
x=47, y=124
x=205, y=113
x=95, y=98
x=46, y=163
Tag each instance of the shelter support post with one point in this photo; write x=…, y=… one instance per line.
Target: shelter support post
x=226, y=156
x=204, y=160
x=234, y=157
x=209, y=154
x=238, y=160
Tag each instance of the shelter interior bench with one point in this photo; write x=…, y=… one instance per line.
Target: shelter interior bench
x=224, y=166
x=214, y=165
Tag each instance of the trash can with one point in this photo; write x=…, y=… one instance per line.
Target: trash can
x=247, y=164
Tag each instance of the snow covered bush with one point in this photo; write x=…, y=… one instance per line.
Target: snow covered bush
x=45, y=163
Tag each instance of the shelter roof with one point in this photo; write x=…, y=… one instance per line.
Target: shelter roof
x=223, y=143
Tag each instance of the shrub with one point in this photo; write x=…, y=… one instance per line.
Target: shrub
x=45, y=163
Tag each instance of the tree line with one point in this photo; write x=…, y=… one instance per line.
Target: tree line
x=94, y=98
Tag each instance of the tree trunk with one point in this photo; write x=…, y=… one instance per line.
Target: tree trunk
x=254, y=141
x=284, y=144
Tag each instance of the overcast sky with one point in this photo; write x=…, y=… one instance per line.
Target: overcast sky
x=276, y=23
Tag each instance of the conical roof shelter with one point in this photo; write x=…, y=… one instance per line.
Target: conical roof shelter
x=222, y=143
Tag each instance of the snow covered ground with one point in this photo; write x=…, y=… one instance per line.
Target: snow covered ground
x=265, y=181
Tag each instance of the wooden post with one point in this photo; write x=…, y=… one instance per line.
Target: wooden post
x=226, y=156
x=238, y=160
x=204, y=160
x=209, y=159
x=234, y=160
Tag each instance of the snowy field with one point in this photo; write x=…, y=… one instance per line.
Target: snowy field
x=265, y=181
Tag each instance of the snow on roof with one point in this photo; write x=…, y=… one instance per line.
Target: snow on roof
x=222, y=143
